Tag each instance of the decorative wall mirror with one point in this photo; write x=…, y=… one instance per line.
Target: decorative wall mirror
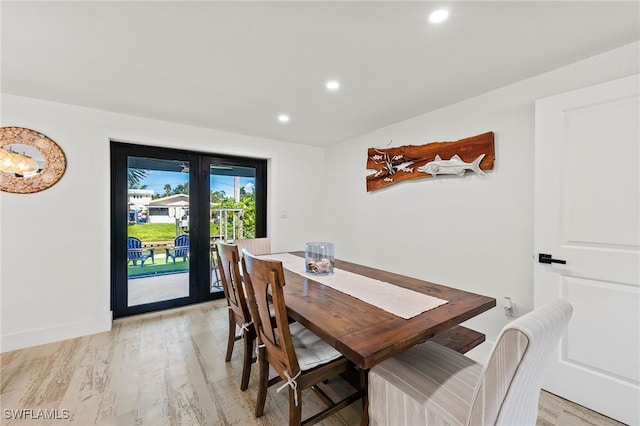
x=29, y=161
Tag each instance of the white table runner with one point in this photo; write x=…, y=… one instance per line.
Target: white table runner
x=397, y=300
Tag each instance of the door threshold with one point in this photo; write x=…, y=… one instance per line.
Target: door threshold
x=169, y=311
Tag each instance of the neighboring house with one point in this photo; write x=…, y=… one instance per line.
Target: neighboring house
x=140, y=198
x=167, y=209
x=138, y=201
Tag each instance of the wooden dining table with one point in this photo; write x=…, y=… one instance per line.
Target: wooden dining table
x=364, y=333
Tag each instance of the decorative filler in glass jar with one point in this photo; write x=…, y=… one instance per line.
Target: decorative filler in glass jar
x=319, y=258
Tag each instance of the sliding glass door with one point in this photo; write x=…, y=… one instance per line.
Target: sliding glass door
x=169, y=208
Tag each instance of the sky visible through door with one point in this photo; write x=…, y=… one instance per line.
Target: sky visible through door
x=157, y=179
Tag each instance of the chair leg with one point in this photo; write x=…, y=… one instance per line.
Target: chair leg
x=232, y=336
x=364, y=385
x=295, y=410
x=264, y=382
x=248, y=357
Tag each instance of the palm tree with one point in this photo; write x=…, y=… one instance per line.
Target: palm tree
x=134, y=176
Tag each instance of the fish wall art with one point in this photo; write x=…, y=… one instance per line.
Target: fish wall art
x=397, y=164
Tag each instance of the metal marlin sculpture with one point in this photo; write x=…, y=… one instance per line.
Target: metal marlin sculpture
x=453, y=166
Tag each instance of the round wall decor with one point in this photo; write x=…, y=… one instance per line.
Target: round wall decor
x=29, y=161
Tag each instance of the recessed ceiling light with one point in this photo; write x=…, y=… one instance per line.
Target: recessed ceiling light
x=283, y=118
x=333, y=85
x=438, y=16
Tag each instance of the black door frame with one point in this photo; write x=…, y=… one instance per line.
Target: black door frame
x=199, y=191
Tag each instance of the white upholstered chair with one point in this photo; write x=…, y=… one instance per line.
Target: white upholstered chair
x=431, y=384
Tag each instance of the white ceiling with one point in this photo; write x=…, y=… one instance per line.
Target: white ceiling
x=236, y=66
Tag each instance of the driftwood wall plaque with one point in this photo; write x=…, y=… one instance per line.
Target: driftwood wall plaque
x=397, y=164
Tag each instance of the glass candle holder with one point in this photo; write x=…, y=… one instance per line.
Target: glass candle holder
x=319, y=258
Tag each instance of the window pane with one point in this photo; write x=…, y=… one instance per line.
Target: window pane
x=233, y=208
x=158, y=243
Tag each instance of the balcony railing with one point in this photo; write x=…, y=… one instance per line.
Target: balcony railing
x=230, y=223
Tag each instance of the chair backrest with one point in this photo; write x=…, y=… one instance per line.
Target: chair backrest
x=133, y=243
x=263, y=278
x=229, y=264
x=510, y=383
x=181, y=244
x=134, y=248
x=255, y=246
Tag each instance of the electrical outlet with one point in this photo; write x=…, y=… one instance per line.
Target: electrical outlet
x=508, y=307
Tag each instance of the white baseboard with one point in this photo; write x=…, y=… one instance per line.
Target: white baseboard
x=41, y=336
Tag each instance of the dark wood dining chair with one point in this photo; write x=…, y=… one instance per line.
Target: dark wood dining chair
x=301, y=359
x=255, y=246
x=240, y=323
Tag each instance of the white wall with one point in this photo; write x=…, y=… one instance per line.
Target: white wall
x=55, y=245
x=472, y=233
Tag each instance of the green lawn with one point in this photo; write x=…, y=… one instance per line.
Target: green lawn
x=155, y=232
x=159, y=231
x=158, y=268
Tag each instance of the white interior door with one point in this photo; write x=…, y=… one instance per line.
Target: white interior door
x=587, y=193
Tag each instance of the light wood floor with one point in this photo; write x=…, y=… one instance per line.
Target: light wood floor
x=168, y=369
